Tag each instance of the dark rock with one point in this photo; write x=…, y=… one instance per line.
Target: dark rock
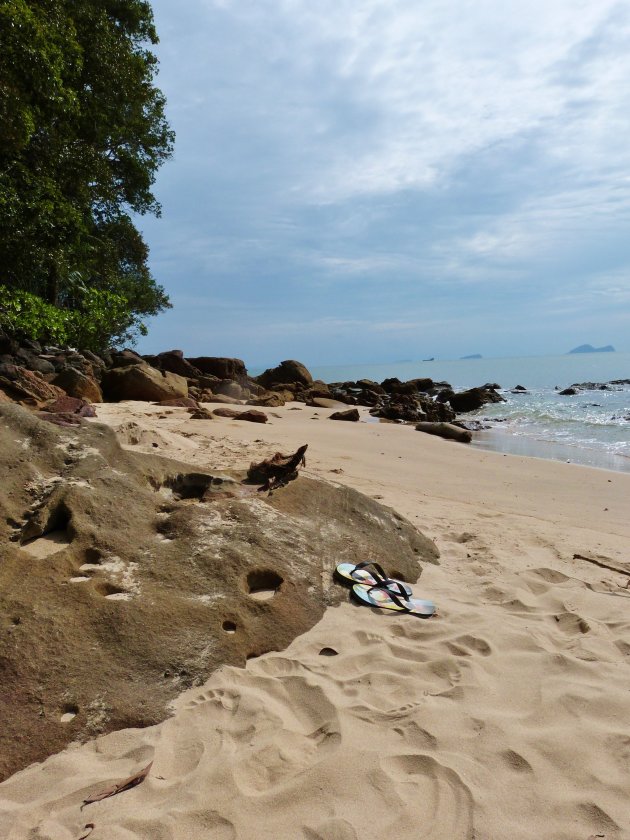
x=251, y=414
x=220, y=367
x=569, y=392
x=369, y=385
x=287, y=373
x=174, y=362
x=30, y=361
x=351, y=414
x=521, y=388
x=200, y=413
x=142, y=382
x=124, y=358
x=473, y=399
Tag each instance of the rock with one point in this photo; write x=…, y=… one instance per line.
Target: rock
x=473, y=398
x=269, y=400
x=29, y=360
x=70, y=405
x=220, y=367
x=26, y=387
x=124, y=358
x=142, y=382
x=124, y=644
x=251, y=415
x=370, y=385
x=395, y=386
x=221, y=398
x=445, y=430
x=180, y=402
x=518, y=388
x=324, y=402
x=569, y=392
x=174, y=362
x=77, y=384
x=287, y=372
x=230, y=388
x=200, y=413
x=352, y=414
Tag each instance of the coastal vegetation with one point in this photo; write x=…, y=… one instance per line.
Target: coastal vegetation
x=83, y=133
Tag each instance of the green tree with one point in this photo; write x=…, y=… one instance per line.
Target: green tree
x=82, y=135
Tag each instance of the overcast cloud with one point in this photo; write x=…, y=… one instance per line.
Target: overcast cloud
x=363, y=180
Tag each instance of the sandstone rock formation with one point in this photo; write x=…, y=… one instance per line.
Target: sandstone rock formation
x=126, y=578
x=142, y=382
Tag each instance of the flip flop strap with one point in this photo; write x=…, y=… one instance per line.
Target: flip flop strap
x=393, y=595
x=381, y=575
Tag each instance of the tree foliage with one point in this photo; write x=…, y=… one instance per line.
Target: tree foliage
x=82, y=135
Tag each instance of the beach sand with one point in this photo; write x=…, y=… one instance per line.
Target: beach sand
x=506, y=716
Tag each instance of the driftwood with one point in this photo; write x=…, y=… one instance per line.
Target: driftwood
x=602, y=565
x=119, y=787
x=278, y=470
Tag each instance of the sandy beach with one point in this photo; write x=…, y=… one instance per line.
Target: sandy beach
x=505, y=716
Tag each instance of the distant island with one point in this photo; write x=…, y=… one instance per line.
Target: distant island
x=473, y=356
x=588, y=348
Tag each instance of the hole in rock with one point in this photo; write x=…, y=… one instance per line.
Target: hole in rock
x=109, y=590
x=93, y=556
x=263, y=584
x=196, y=485
x=328, y=651
x=229, y=626
x=70, y=711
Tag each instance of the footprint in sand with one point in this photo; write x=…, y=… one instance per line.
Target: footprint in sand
x=438, y=798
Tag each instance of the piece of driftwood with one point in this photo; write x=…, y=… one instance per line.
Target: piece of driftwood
x=119, y=787
x=276, y=471
x=602, y=565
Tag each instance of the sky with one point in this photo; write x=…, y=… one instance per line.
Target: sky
x=360, y=181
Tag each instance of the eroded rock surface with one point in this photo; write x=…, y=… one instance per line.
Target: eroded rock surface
x=126, y=577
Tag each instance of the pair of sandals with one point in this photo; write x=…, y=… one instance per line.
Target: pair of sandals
x=373, y=587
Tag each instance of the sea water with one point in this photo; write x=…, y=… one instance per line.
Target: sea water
x=592, y=427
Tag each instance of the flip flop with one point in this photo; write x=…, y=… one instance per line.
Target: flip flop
x=369, y=573
x=387, y=599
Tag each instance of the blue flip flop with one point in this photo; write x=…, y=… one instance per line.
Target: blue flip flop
x=387, y=598
x=369, y=573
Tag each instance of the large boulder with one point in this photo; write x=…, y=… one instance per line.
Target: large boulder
x=220, y=367
x=115, y=598
x=77, y=384
x=349, y=414
x=288, y=372
x=173, y=361
x=473, y=399
x=123, y=358
x=142, y=382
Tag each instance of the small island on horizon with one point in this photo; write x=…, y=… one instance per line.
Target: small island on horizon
x=472, y=356
x=588, y=348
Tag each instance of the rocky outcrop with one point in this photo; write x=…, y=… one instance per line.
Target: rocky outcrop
x=472, y=399
x=142, y=382
x=588, y=348
x=126, y=578
x=288, y=372
x=252, y=415
x=173, y=361
x=26, y=387
x=77, y=384
x=220, y=367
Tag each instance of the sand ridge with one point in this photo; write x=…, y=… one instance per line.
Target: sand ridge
x=505, y=717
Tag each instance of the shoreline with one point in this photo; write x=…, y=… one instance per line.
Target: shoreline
x=509, y=442
x=516, y=693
